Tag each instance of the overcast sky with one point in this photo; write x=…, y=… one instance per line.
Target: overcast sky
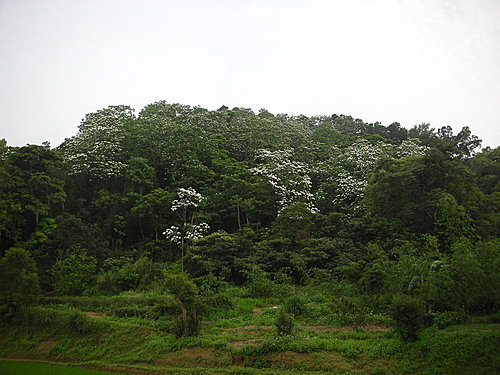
x=404, y=61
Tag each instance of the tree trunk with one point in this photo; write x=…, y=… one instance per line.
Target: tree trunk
x=239, y=216
x=183, y=311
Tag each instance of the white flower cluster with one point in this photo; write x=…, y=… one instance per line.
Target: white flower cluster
x=190, y=232
x=290, y=179
x=97, y=147
x=410, y=147
x=186, y=198
x=346, y=172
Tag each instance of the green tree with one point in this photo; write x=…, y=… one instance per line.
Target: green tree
x=154, y=207
x=73, y=271
x=18, y=279
x=98, y=151
x=219, y=253
x=407, y=191
x=38, y=183
x=408, y=317
x=186, y=295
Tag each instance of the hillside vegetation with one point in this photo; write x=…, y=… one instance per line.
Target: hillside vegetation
x=183, y=240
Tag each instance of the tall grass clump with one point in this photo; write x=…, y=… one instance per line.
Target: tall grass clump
x=295, y=306
x=284, y=323
x=408, y=316
x=62, y=322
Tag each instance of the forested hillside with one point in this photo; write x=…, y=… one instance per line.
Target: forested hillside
x=195, y=201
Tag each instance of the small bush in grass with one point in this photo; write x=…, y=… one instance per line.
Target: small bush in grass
x=295, y=306
x=69, y=321
x=284, y=323
x=259, y=284
x=217, y=303
x=188, y=321
x=132, y=310
x=165, y=324
x=210, y=284
x=408, y=316
x=348, y=310
x=448, y=318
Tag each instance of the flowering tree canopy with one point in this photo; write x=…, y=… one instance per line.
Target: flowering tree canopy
x=290, y=179
x=97, y=149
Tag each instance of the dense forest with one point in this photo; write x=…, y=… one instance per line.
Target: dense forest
x=392, y=220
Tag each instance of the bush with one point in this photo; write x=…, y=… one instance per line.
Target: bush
x=63, y=322
x=108, y=282
x=121, y=275
x=284, y=323
x=132, y=311
x=295, y=306
x=18, y=279
x=210, y=284
x=217, y=303
x=448, y=318
x=188, y=321
x=73, y=271
x=408, y=316
x=188, y=326
x=348, y=310
x=259, y=284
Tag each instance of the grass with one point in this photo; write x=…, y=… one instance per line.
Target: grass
x=29, y=368
x=242, y=339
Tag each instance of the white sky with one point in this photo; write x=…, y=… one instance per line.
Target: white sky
x=415, y=61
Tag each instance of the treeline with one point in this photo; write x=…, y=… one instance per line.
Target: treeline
x=232, y=197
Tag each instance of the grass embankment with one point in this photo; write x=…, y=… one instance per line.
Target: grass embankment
x=28, y=368
x=121, y=335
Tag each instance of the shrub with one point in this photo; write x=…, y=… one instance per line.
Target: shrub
x=188, y=321
x=408, y=316
x=63, y=322
x=188, y=325
x=210, y=284
x=132, y=311
x=348, y=310
x=259, y=284
x=217, y=303
x=448, y=318
x=18, y=279
x=295, y=306
x=73, y=271
x=108, y=282
x=284, y=323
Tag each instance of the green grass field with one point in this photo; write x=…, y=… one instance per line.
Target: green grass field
x=129, y=336
x=33, y=368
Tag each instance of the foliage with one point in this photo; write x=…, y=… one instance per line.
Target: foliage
x=283, y=323
x=188, y=322
x=73, y=271
x=259, y=284
x=448, y=318
x=257, y=207
x=408, y=316
x=18, y=279
x=295, y=306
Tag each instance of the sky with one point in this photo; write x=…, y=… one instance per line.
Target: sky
x=412, y=62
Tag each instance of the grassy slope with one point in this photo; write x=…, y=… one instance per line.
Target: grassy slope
x=28, y=368
x=244, y=341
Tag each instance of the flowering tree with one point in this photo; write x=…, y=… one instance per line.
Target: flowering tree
x=187, y=231
x=344, y=177
x=290, y=179
x=97, y=149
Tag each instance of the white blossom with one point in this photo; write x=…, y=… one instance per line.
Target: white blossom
x=190, y=232
x=290, y=179
x=186, y=198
